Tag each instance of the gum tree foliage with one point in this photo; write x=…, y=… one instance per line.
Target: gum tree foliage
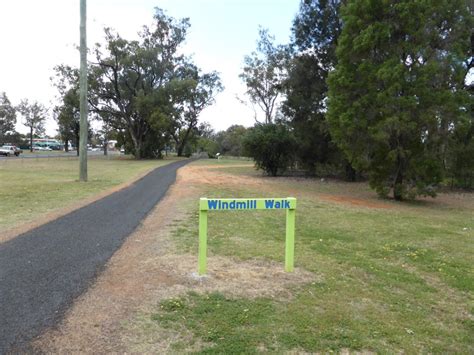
x=398, y=89
x=146, y=89
x=201, y=141
x=204, y=140
x=315, y=31
x=128, y=79
x=34, y=116
x=263, y=74
x=272, y=147
x=230, y=140
x=67, y=113
x=191, y=92
x=68, y=118
x=7, y=118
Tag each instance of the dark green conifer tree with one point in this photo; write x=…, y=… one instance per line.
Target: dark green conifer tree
x=398, y=89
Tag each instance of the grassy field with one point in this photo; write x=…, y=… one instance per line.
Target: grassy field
x=34, y=187
x=389, y=277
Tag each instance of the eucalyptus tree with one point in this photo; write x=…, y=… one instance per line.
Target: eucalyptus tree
x=192, y=91
x=144, y=90
x=315, y=32
x=34, y=117
x=230, y=140
x=129, y=79
x=264, y=72
x=67, y=116
x=67, y=112
x=7, y=117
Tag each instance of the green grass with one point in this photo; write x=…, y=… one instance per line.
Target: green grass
x=398, y=279
x=33, y=187
x=236, y=325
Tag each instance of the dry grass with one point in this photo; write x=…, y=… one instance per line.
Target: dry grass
x=148, y=268
x=374, y=275
x=41, y=190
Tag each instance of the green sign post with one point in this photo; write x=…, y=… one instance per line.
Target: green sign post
x=241, y=204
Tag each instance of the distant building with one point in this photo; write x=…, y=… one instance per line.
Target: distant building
x=48, y=143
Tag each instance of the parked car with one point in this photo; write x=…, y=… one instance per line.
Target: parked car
x=41, y=149
x=8, y=150
x=17, y=150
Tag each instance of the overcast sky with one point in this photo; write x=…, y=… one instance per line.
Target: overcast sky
x=37, y=35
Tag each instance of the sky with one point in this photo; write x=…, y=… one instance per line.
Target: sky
x=37, y=35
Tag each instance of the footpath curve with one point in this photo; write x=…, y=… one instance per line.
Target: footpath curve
x=45, y=269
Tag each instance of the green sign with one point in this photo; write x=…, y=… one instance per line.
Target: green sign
x=228, y=204
x=241, y=204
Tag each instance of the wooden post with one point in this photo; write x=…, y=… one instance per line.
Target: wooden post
x=202, y=257
x=83, y=97
x=290, y=238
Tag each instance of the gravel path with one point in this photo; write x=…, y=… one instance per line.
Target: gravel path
x=44, y=270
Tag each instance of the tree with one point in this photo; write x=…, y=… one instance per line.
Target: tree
x=145, y=90
x=34, y=116
x=194, y=92
x=272, y=147
x=315, y=31
x=7, y=117
x=459, y=150
x=460, y=165
x=207, y=141
x=67, y=113
x=263, y=74
x=397, y=86
x=67, y=116
x=130, y=79
x=230, y=140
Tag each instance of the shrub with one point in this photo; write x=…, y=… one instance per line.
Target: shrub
x=272, y=146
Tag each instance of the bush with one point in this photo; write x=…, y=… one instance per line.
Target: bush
x=272, y=146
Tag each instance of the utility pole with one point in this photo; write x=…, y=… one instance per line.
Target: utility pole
x=83, y=97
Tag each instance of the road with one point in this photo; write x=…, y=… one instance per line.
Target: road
x=43, y=271
x=73, y=154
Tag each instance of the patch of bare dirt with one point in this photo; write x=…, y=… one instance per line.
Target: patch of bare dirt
x=147, y=269
x=229, y=166
x=201, y=175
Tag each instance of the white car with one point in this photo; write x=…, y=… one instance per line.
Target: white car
x=8, y=150
x=42, y=149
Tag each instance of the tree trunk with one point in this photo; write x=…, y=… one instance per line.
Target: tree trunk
x=31, y=139
x=138, y=151
x=77, y=145
x=398, y=187
x=180, y=150
x=351, y=174
x=106, y=147
x=137, y=144
x=184, y=141
x=66, y=145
